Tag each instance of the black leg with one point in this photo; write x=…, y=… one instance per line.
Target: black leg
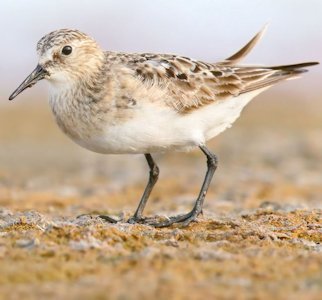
x=153, y=178
x=197, y=209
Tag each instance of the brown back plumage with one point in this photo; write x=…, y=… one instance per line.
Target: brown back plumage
x=191, y=83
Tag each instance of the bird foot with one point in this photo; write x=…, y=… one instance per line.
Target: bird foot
x=136, y=220
x=182, y=220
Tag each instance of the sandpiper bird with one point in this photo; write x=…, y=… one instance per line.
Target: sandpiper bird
x=111, y=102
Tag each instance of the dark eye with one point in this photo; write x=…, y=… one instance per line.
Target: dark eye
x=67, y=50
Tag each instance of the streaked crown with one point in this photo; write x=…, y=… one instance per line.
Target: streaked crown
x=58, y=37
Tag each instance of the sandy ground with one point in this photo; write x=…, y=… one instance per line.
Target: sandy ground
x=259, y=237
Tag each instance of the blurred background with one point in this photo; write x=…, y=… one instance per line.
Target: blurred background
x=277, y=139
x=261, y=222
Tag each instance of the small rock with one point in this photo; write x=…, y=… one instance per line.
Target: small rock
x=27, y=243
x=82, y=245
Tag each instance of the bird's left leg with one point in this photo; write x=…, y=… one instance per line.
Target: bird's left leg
x=186, y=219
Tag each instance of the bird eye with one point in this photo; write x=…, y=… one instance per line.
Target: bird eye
x=67, y=50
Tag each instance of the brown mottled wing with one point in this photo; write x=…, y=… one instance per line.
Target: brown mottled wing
x=192, y=84
x=189, y=83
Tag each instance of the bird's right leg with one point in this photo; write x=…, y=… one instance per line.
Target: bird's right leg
x=153, y=178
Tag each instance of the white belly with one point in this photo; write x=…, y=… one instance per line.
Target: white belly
x=156, y=129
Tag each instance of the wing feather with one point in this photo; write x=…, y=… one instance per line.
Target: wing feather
x=190, y=84
x=241, y=54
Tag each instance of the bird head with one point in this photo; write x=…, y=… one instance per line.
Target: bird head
x=65, y=57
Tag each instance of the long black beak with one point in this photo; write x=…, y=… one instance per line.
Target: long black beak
x=36, y=75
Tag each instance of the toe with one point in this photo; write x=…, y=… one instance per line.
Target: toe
x=108, y=219
x=188, y=221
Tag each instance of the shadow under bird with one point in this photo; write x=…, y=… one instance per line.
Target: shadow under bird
x=111, y=102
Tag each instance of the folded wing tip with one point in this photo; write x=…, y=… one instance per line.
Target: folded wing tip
x=240, y=54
